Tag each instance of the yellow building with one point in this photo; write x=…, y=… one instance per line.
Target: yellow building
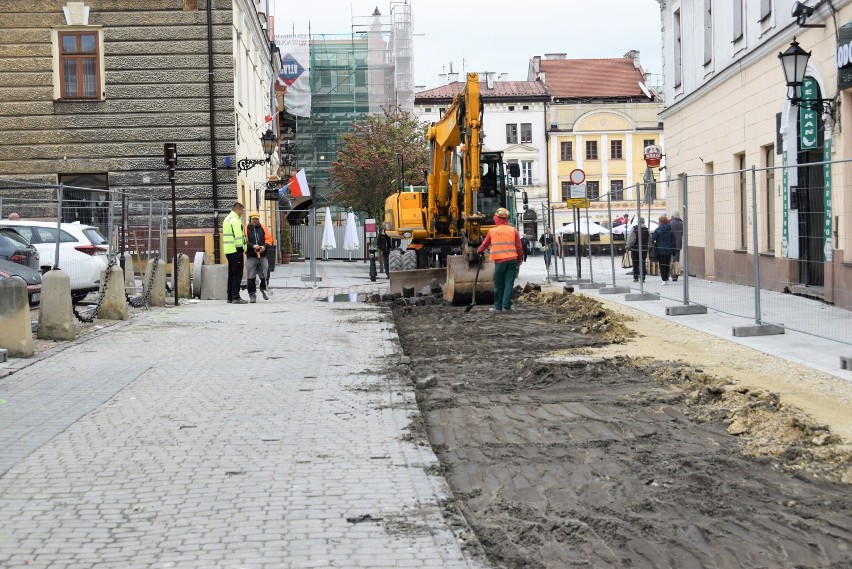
x=601, y=118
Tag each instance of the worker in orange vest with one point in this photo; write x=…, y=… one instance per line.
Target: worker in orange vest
x=507, y=254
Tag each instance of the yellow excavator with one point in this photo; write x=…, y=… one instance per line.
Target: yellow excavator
x=444, y=224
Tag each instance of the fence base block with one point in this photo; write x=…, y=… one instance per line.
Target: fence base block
x=4, y=355
x=614, y=290
x=845, y=363
x=571, y=281
x=686, y=309
x=758, y=330
x=641, y=296
x=310, y=278
x=591, y=285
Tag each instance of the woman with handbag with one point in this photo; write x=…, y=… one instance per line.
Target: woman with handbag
x=664, y=244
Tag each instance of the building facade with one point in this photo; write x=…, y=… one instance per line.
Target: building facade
x=728, y=109
x=90, y=91
x=513, y=123
x=599, y=121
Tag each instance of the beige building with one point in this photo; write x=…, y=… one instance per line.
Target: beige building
x=601, y=117
x=728, y=109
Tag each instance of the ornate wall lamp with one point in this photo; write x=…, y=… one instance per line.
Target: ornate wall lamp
x=268, y=141
x=794, y=62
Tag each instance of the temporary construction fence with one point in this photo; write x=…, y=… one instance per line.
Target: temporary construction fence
x=752, y=238
x=83, y=230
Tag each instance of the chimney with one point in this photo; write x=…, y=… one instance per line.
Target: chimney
x=489, y=79
x=502, y=77
x=634, y=55
x=536, y=64
x=553, y=56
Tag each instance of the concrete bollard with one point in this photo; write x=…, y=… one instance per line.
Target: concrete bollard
x=114, y=305
x=16, y=334
x=129, y=275
x=158, y=289
x=55, y=317
x=214, y=282
x=184, y=277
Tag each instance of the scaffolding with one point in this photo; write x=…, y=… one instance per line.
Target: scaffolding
x=365, y=71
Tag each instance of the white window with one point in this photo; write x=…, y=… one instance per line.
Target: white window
x=765, y=9
x=738, y=20
x=526, y=172
x=708, y=31
x=678, y=71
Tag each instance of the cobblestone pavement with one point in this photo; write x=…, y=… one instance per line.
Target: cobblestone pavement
x=264, y=435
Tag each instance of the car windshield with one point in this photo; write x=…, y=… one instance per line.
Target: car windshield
x=14, y=236
x=95, y=236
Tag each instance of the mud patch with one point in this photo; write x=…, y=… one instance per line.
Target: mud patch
x=616, y=462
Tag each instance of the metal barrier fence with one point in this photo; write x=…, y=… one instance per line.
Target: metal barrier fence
x=82, y=229
x=766, y=244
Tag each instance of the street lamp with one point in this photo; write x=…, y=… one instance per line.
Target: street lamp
x=268, y=141
x=794, y=62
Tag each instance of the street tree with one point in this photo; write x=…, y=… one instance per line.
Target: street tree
x=365, y=172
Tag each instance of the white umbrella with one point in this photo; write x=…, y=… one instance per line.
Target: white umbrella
x=350, y=239
x=587, y=227
x=621, y=229
x=329, y=243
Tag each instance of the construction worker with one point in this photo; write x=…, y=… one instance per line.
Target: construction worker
x=257, y=245
x=507, y=254
x=235, y=243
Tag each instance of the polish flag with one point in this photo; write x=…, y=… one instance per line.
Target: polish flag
x=267, y=118
x=298, y=185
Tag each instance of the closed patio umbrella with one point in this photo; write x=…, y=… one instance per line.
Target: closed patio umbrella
x=350, y=239
x=329, y=243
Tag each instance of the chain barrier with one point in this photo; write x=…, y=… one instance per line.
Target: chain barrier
x=88, y=319
x=142, y=301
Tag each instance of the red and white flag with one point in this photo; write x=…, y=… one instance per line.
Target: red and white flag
x=298, y=185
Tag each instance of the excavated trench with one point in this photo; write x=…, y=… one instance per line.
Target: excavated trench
x=558, y=457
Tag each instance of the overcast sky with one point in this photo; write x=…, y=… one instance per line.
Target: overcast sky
x=494, y=35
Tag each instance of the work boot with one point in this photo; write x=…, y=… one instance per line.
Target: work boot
x=239, y=301
x=263, y=292
x=252, y=299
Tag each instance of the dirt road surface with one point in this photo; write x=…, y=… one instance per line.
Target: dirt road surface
x=578, y=435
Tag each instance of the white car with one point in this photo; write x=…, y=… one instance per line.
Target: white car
x=82, y=250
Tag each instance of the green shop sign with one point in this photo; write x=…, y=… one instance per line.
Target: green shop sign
x=808, y=118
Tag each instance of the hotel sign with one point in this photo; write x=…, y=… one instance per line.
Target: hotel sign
x=843, y=57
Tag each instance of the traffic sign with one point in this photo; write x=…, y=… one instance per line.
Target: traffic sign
x=577, y=202
x=578, y=191
x=577, y=176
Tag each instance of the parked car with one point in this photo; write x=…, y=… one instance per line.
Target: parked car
x=82, y=250
x=16, y=249
x=32, y=277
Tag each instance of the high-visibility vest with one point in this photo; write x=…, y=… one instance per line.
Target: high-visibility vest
x=503, y=243
x=232, y=233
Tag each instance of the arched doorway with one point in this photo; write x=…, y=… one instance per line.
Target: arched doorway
x=530, y=220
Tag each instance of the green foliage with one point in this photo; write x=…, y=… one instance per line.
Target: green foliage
x=286, y=238
x=365, y=171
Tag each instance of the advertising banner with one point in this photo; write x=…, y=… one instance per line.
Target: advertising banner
x=295, y=73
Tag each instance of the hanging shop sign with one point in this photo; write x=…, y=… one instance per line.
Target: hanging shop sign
x=843, y=57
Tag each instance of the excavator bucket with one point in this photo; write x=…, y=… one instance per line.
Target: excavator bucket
x=418, y=279
x=461, y=274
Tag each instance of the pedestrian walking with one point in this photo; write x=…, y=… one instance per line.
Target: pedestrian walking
x=639, y=253
x=385, y=245
x=507, y=254
x=257, y=245
x=525, y=244
x=676, y=223
x=546, y=241
x=663, y=241
x=235, y=242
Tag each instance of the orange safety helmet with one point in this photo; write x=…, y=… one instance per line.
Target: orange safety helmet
x=502, y=213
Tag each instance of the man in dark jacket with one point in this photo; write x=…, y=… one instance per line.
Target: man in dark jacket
x=664, y=244
x=256, y=261
x=385, y=245
x=676, y=223
x=638, y=242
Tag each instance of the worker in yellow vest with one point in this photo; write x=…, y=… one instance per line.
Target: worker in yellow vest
x=235, y=244
x=507, y=254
